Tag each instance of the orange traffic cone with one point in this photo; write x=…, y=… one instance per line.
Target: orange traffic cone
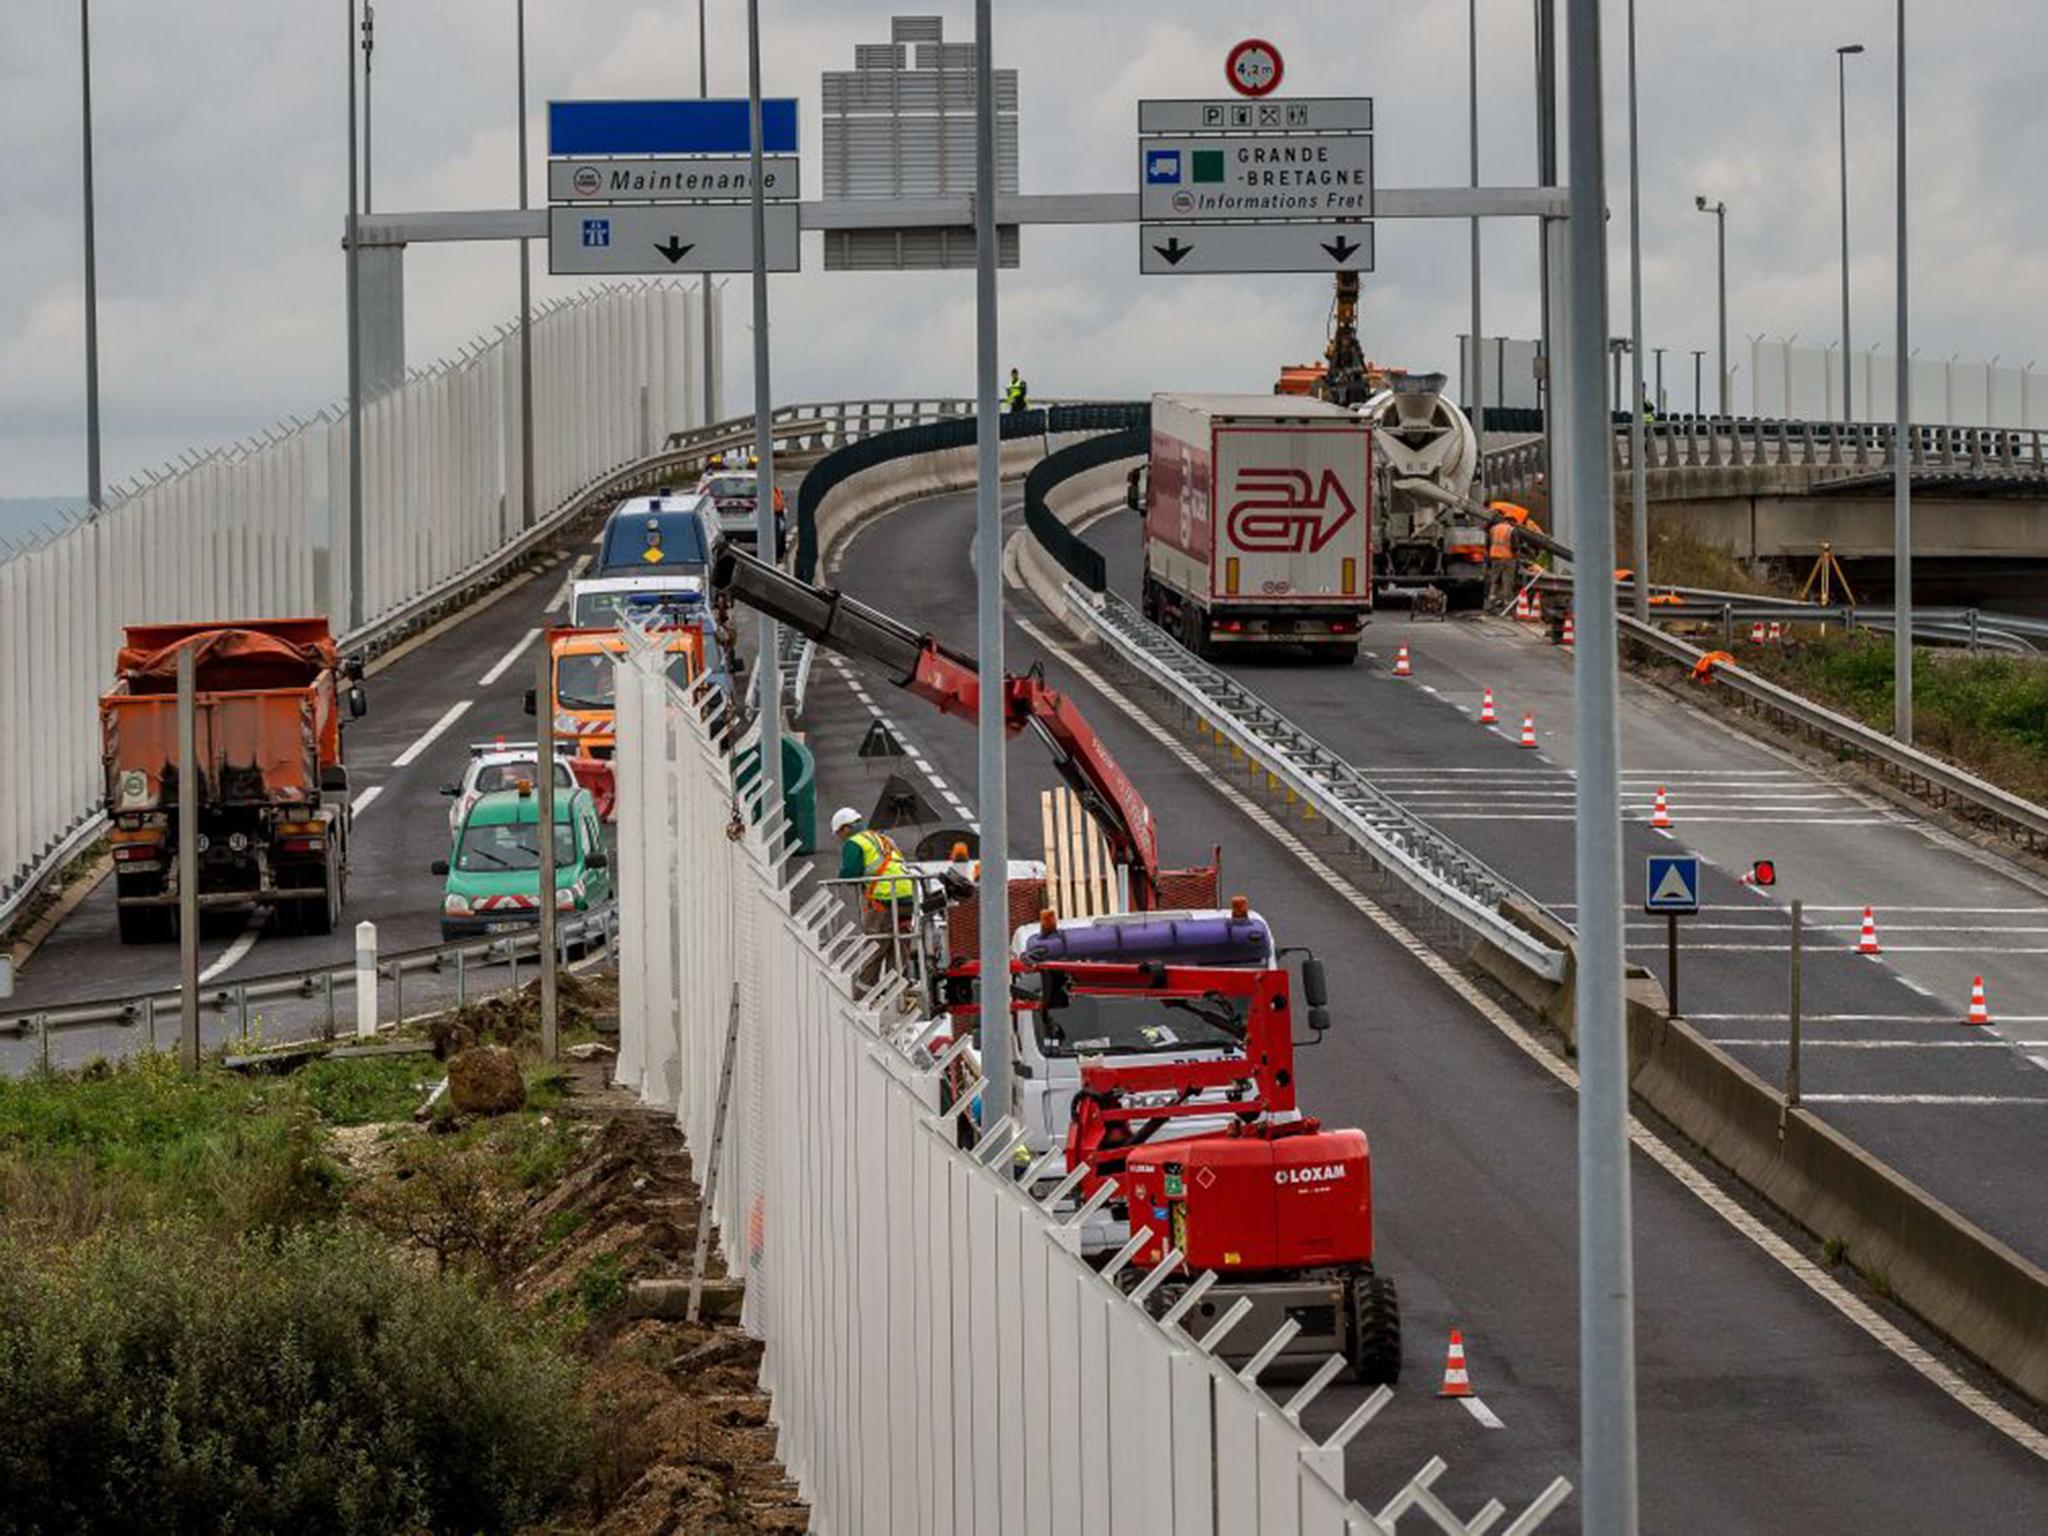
x=1660, y=813
x=1522, y=609
x=1529, y=730
x=1569, y=637
x=1756, y=632
x=1456, y=1382
x=1979, y=1013
x=1401, y=667
x=1777, y=632
x=1867, y=945
x=1536, y=603
x=1486, y=713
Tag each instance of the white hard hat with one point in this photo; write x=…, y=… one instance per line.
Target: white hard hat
x=846, y=816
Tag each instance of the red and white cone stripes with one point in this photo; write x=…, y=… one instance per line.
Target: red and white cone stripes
x=1756, y=632
x=1456, y=1382
x=1528, y=730
x=1980, y=1013
x=1867, y=944
x=1570, y=635
x=1660, y=813
x=1486, y=710
x=1523, y=612
x=1401, y=666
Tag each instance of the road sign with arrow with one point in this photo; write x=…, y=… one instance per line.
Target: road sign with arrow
x=618, y=239
x=1200, y=248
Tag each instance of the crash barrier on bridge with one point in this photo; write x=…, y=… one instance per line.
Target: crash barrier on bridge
x=1753, y=442
x=956, y=432
x=1916, y=772
x=1975, y=1290
x=261, y=529
x=148, y=1021
x=940, y=1357
x=1081, y=560
x=1394, y=838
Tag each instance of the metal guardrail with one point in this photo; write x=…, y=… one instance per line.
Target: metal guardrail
x=139, y=1010
x=1429, y=863
x=1749, y=442
x=1920, y=773
x=798, y=650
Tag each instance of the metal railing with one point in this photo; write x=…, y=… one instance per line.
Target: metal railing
x=1422, y=858
x=1916, y=771
x=1745, y=442
x=141, y=1011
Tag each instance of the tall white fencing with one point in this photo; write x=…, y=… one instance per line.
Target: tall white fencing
x=261, y=529
x=1805, y=384
x=941, y=1358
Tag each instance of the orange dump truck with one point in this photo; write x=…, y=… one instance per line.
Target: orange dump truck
x=269, y=699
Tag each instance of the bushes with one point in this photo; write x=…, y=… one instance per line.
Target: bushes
x=164, y=1379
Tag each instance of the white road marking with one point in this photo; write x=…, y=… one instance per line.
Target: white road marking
x=1805, y=1270
x=1847, y=819
x=1889, y=949
x=2039, y=1061
x=1972, y=1100
x=576, y=568
x=1853, y=1018
x=454, y=713
x=1572, y=906
x=244, y=942
x=910, y=748
x=504, y=662
x=1476, y=1406
x=365, y=799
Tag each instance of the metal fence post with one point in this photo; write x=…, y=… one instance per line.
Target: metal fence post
x=366, y=980
x=397, y=994
x=544, y=813
x=188, y=863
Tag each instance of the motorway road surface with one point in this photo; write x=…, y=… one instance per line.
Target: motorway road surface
x=467, y=683
x=1762, y=1408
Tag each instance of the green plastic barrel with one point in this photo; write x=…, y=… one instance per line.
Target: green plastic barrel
x=799, y=788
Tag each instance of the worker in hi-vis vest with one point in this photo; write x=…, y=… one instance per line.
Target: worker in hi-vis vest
x=874, y=858
x=1017, y=397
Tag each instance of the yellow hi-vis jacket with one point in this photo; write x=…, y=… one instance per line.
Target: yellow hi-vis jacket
x=882, y=863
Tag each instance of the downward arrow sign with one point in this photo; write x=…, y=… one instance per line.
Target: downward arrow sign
x=1173, y=251
x=1342, y=250
x=675, y=250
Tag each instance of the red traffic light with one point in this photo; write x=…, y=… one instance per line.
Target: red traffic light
x=1763, y=872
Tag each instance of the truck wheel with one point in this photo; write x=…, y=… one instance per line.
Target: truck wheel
x=1194, y=626
x=1373, y=1340
x=316, y=915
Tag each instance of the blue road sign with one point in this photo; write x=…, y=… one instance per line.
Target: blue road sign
x=1672, y=883
x=597, y=233
x=715, y=127
x=1162, y=167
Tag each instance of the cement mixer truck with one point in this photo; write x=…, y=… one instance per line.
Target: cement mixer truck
x=1425, y=543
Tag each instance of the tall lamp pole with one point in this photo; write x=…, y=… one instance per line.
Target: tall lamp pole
x=768, y=652
x=1699, y=357
x=369, y=135
x=526, y=516
x=1902, y=474
x=1720, y=213
x=1638, y=475
x=356, y=597
x=1842, y=112
x=1476, y=376
x=711, y=400
x=93, y=488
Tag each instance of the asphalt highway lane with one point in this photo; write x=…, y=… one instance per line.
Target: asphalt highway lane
x=1762, y=1409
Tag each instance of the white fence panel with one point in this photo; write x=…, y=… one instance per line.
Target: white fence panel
x=942, y=1362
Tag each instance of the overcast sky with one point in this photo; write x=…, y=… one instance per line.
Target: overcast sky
x=222, y=185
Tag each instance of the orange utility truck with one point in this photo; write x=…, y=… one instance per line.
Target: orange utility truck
x=270, y=696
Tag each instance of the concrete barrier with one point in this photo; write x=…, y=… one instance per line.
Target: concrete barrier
x=890, y=484
x=1987, y=1299
x=1073, y=502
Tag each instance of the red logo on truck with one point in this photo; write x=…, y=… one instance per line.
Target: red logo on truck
x=1284, y=512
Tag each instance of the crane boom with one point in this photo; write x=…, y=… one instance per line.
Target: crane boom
x=947, y=679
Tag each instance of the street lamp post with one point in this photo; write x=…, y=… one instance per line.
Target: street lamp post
x=1657, y=393
x=526, y=516
x=369, y=136
x=1476, y=375
x=1842, y=114
x=1699, y=357
x=711, y=401
x=1902, y=474
x=1720, y=213
x=1639, y=495
x=357, y=611
x=93, y=488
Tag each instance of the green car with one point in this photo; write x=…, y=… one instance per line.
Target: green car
x=493, y=869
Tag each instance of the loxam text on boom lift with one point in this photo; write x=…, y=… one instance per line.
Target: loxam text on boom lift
x=1154, y=1046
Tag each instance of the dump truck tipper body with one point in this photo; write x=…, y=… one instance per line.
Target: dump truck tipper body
x=269, y=699
x=1258, y=523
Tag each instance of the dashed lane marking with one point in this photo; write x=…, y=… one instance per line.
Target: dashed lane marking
x=1853, y=1018
x=1476, y=1406
x=910, y=749
x=244, y=942
x=1761, y=1042
x=1806, y=1271
x=365, y=799
x=504, y=662
x=454, y=713
x=1945, y=1100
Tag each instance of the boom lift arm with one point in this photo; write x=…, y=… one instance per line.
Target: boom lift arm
x=948, y=680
